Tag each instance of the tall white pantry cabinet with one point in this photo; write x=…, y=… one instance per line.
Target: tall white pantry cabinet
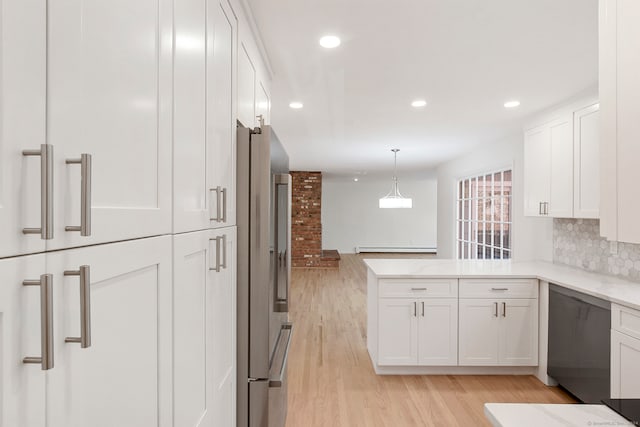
x=117, y=209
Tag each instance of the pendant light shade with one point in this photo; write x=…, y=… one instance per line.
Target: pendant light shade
x=394, y=199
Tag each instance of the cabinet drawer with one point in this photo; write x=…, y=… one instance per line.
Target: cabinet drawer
x=502, y=288
x=625, y=320
x=418, y=288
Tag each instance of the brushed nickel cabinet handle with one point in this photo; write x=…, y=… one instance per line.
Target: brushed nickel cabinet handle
x=504, y=309
x=85, y=306
x=415, y=309
x=218, y=265
x=546, y=208
x=45, y=360
x=46, y=191
x=499, y=289
x=224, y=251
x=540, y=211
x=422, y=308
x=495, y=306
x=218, y=216
x=85, y=195
x=418, y=289
x=224, y=205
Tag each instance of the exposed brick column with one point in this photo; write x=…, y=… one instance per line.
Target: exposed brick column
x=306, y=225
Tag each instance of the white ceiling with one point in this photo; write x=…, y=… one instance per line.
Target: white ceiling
x=465, y=57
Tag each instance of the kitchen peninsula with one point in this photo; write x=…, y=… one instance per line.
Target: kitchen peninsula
x=474, y=316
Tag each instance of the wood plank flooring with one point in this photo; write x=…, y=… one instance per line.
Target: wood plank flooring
x=331, y=380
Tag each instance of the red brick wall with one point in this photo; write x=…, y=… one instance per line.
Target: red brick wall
x=306, y=225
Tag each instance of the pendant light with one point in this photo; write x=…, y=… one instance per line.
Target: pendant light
x=394, y=199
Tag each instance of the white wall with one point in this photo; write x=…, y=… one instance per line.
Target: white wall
x=351, y=216
x=532, y=238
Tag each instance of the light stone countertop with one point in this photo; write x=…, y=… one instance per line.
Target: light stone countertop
x=552, y=415
x=609, y=288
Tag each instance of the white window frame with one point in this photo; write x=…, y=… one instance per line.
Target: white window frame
x=467, y=218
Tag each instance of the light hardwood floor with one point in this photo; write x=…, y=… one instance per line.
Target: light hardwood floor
x=332, y=382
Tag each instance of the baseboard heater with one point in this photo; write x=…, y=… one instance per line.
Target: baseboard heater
x=405, y=249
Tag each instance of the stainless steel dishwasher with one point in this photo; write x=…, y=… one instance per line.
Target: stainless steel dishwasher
x=579, y=355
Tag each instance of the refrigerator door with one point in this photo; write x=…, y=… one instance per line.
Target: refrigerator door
x=258, y=408
x=259, y=256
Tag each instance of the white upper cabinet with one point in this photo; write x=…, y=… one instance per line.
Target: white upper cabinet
x=22, y=127
x=221, y=120
x=561, y=165
x=22, y=386
x=537, y=170
x=620, y=129
x=586, y=164
x=109, y=96
x=190, y=160
x=263, y=104
x=246, y=88
x=561, y=179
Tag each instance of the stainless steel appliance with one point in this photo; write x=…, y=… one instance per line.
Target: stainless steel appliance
x=580, y=343
x=264, y=236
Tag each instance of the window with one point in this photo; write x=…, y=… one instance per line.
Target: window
x=484, y=216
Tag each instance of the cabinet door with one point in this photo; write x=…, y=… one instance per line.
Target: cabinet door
x=124, y=378
x=561, y=161
x=518, y=342
x=625, y=366
x=586, y=146
x=627, y=114
x=221, y=317
x=191, y=162
x=246, y=88
x=193, y=383
x=478, y=332
x=607, y=82
x=221, y=120
x=22, y=386
x=397, y=332
x=22, y=123
x=438, y=332
x=109, y=95
x=537, y=151
x=263, y=104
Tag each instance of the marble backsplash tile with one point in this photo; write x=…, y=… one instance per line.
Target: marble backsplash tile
x=577, y=243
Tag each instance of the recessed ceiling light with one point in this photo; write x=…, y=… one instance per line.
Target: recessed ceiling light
x=511, y=104
x=329, y=42
x=296, y=105
x=419, y=103
x=355, y=179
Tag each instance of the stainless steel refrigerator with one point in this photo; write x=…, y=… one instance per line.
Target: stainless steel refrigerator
x=264, y=241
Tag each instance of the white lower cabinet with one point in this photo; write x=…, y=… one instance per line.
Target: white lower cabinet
x=22, y=386
x=419, y=332
x=119, y=374
x=625, y=352
x=498, y=322
x=204, y=328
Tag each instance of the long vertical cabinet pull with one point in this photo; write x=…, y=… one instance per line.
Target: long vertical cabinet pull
x=224, y=251
x=46, y=191
x=221, y=204
x=219, y=265
x=85, y=306
x=415, y=309
x=504, y=309
x=45, y=360
x=495, y=306
x=85, y=195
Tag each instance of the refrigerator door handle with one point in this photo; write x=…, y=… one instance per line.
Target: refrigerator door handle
x=279, y=379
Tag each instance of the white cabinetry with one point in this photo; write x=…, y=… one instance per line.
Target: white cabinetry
x=203, y=117
x=22, y=123
x=561, y=164
x=625, y=352
x=22, y=386
x=620, y=132
x=204, y=328
x=418, y=323
x=586, y=164
x=497, y=326
x=253, y=95
x=109, y=91
x=124, y=377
